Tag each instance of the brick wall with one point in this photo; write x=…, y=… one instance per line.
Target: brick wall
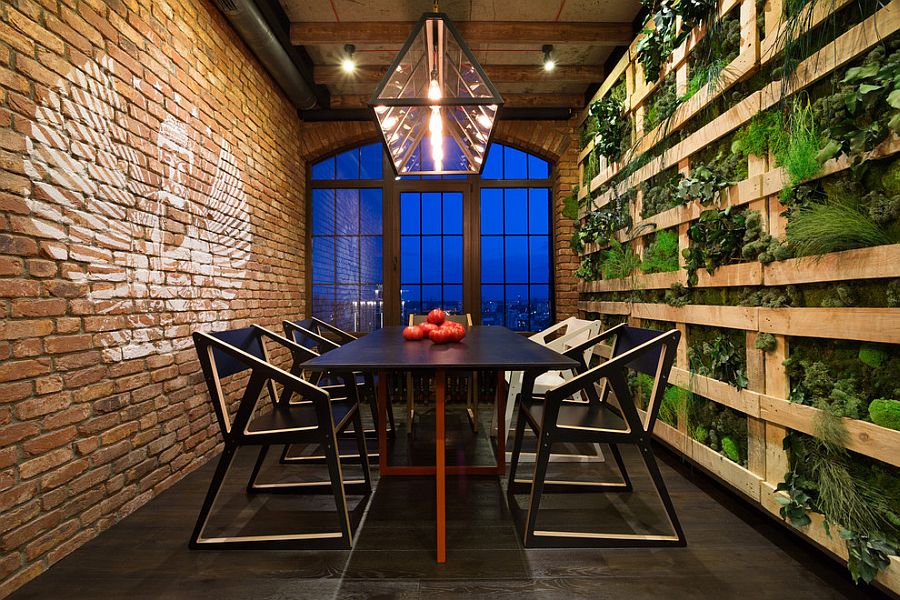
x=150, y=184
x=556, y=141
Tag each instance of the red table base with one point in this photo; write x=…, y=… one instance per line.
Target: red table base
x=440, y=470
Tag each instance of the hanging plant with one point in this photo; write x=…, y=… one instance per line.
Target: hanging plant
x=666, y=32
x=611, y=127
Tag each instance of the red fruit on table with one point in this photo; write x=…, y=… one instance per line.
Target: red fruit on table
x=436, y=316
x=413, y=333
x=439, y=335
x=427, y=328
x=455, y=332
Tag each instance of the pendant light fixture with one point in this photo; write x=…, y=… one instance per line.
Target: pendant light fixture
x=435, y=106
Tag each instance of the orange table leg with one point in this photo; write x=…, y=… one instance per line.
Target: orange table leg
x=501, y=422
x=440, y=384
x=382, y=420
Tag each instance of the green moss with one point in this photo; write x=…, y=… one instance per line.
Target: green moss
x=661, y=255
x=701, y=434
x=885, y=412
x=765, y=342
x=730, y=449
x=763, y=133
x=674, y=405
x=872, y=356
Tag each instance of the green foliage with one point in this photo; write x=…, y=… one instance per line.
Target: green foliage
x=589, y=269
x=765, y=342
x=730, y=450
x=872, y=355
x=658, y=41
x=833, y=226
x=611, y=127
x=678, y=295
x=764, y=133
x=720, y=359
x=865, y=107
x=600, y=225
x=591, y=169
x=885, y=412
x=716, y=239
x=868, y=555
x=721, y=423
x=619, y=260
x=800, y=155
x=798, y=503
x=662, y=104
x=674, y=405
x=700, y=433
x=712, y=54
x=661, y=255
x=570, y=206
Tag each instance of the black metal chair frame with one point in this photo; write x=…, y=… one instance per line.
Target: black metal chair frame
x=653, y=356
x=237, y=432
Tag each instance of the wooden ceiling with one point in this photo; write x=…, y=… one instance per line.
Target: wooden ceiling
x=506, y=37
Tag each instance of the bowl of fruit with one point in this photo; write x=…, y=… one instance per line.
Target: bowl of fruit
x=436, y=328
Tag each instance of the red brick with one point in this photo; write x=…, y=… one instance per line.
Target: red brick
x=33, y=328
x=38, y=308
x=67, y=343
x=43, y=443
x=36, y=466
x=42, y=405
x=10, y=392
x=18, y=431
x=23, y=369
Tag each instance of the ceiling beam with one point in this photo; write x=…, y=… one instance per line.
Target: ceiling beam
x=509, y=100
x=330, y=75
x=474, y=32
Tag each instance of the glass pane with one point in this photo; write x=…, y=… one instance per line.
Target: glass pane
x=370, y=259
x=539, y=259
x=492, y=311
x=538, y=168
x=491, y=259
x=323, y=170
x=371, y=308
x=323, y=302
x=346, y=308
x=323, y=260
x=540, y=308
x=453, y=299
x=410, y=302
x=453, y=259
x=347, y=212
x=347, y=259
x=514, y=164
x=493, y=165
x=431, y=213
x=348, y=164
x=370, y=162
x=409, y=213
x=453, y=213
x=516, y=210
x=516, y=259
x=431, y=259
x=517, y=307
x=323, y=212
x=409, y=259
x=431, y=298
x=539, y=210
x=491, y=210
x=370, y=211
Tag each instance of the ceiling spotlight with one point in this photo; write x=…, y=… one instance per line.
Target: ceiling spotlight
x=549, y=62
x=348, y=64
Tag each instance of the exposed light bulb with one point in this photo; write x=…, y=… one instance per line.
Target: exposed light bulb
x=549, y=62
x=348, y=63
x=434, y=90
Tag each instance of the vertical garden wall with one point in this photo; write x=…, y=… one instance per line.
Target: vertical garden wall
x=739, y=181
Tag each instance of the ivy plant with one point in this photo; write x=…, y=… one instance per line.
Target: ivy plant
x=611, y=127
x=720, y=359
x=716, y=239
x=667, y=31
x=798, y=503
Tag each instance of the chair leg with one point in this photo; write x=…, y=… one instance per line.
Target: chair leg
x=541, y=461
x=410, y=404
x=516, y=451
x=363, y=452
x=337, y=487
x=617, y=455
x=263, y=450
x=656, y=476
x=211, y=494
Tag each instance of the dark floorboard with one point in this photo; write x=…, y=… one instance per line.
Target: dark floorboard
x=733, y=550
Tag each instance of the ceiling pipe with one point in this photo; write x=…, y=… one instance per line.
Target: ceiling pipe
x=254, y=29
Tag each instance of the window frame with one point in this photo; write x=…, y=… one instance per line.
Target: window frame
x=470, y=187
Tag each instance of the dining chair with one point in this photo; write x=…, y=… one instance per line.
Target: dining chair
x=471, y=378
x=302, y=413
x=609, y=417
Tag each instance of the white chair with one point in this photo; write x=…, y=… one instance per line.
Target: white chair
x=560, y=337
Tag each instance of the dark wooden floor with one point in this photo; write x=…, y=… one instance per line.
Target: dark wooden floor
x=733, y=551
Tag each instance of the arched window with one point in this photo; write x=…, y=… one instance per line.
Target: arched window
x=382, y=248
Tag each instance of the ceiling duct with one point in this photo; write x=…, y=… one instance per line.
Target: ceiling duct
x=253, y=28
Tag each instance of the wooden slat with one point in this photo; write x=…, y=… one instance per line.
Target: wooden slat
x=865, y=324
x=865, y=438
x=864, y=263
x=719, y=392
x=733, y=317
x=364, y=33
x=606, y=308
x=332, y=74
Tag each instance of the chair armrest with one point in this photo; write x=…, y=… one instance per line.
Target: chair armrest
x=330, y=344
x=599, y=372
x=342, y=335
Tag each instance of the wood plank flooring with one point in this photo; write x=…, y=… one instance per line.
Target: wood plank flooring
x=733, y=551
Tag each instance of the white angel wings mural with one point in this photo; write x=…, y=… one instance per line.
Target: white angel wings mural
x=155, y=218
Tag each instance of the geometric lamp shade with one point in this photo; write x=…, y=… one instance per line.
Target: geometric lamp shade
x=435, y=106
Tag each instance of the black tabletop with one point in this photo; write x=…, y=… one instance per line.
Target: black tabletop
x=482, y=348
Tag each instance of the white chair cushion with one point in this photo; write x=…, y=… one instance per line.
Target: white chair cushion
x=547, y=381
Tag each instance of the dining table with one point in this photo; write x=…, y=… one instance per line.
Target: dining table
x=484, y=348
